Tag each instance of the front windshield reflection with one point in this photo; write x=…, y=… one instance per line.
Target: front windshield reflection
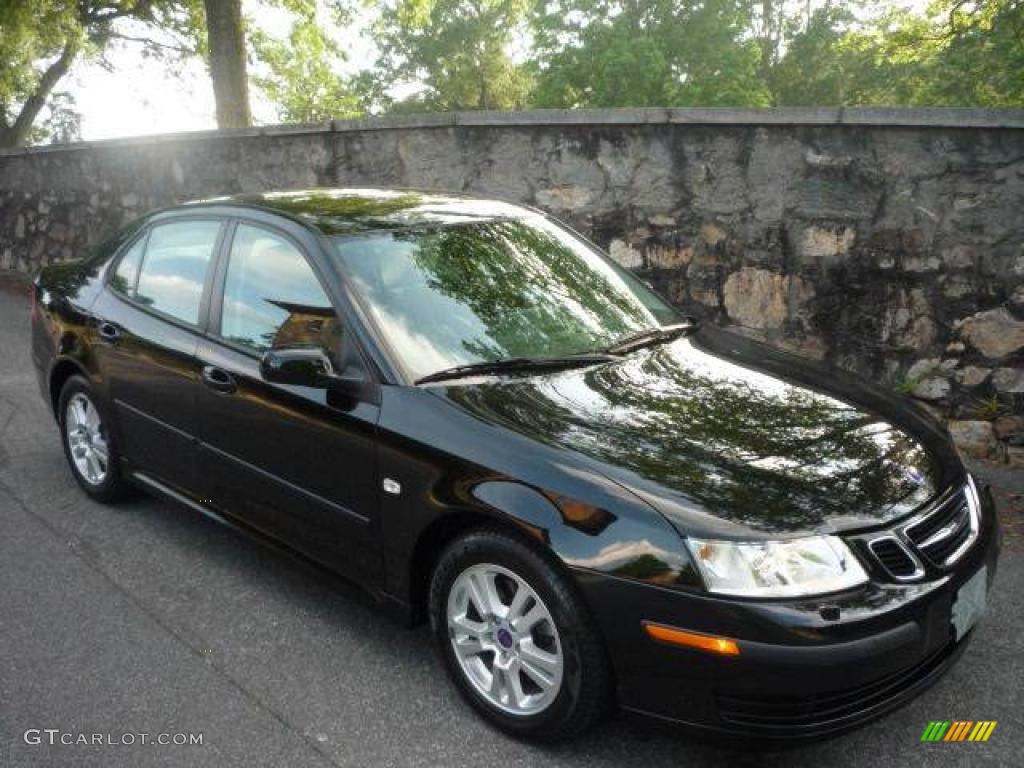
x=490, y=290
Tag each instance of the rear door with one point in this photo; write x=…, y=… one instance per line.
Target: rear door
x=149, y=322
x=289, y=460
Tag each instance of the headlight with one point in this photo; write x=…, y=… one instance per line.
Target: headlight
x=795, y=568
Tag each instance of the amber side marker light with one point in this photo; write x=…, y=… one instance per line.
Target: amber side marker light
x=710, y=643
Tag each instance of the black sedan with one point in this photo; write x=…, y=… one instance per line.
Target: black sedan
x=469, y=410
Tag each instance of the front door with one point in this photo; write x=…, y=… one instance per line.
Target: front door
x=285, y=459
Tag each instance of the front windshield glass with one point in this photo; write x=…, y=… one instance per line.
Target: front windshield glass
x=488, y=290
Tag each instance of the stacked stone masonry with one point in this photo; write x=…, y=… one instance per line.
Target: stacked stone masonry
x=887, y=242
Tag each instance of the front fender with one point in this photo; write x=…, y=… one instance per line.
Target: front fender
x=627, y=541
x=448, y=470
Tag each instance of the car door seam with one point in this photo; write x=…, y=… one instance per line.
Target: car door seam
x=288, y=484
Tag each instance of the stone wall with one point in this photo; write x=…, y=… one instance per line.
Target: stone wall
x=889, y=242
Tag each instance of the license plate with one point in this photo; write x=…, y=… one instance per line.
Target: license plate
x=970, y=603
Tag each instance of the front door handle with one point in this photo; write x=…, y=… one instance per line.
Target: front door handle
x=218, y=379
x=108, y=332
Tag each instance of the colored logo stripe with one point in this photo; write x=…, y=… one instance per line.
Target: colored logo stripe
x=982, y=731
x=958, y=730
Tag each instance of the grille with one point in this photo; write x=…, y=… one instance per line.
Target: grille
x=942, y=535
x=895, y=558
x=824, y=711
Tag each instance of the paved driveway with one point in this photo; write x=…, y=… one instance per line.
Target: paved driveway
x=147, y=618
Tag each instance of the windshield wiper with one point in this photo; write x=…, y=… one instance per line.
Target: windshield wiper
x=650, y=336
x=511, y=364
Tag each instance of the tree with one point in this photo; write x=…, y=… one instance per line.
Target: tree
x=825, y=64
x=226, y=48
x=977, y=53
x=37, y=48
x=608, y=53
x=63, y=123
x=957, y=53
x=769, y=25
x=40, y=41
x=302, y=75
x=458, y=51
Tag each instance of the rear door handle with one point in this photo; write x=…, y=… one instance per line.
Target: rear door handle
x=218, y=379
x=108, y=332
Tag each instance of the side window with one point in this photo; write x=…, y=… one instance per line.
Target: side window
x=127, y=271
x=272, y=297
x=174, y=267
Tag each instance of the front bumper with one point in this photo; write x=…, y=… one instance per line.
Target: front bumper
x=798, y=673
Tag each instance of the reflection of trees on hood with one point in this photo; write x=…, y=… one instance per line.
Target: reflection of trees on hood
x=533, y=294
x=732, y=445
x=766, y=454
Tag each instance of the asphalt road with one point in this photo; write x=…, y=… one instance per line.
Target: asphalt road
x=148, y=618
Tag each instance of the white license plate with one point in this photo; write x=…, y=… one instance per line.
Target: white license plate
x=970, y=603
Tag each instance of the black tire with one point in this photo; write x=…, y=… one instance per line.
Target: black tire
x=585, y=693
x=113, y=486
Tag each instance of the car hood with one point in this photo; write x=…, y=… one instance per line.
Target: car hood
x=727, y=437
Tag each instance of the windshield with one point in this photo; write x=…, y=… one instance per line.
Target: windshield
x=489, y=290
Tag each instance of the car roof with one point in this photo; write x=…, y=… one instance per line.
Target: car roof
x=356, y=210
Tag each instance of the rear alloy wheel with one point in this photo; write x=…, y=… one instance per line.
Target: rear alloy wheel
x=87, y=439
x=88, y=444
x=516, y=638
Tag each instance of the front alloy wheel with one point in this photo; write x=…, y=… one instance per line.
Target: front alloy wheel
x=504, y=639
x=516, y=638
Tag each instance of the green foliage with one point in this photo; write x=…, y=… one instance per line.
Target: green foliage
x=606, y=53
x=38, y=43
x=63, y=123
x=978, y=56
x=41, y=40
x=615, y=53
x=906, y=386
x=956, y=53
x=603, y=53
x=28, y=34
x=824, y=65
x=510, y=54
x=990, y=408
x=303, y=79
x=458, y=51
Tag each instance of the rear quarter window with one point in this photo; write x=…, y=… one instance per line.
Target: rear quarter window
x=174, y=266
x=127, y=272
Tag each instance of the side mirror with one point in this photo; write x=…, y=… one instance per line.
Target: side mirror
x=303, y=366
x=311, y=367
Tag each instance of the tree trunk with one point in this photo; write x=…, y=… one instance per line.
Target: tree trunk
x=770, y=40
x=15, y=134
x=227, y=62
x=767, y=42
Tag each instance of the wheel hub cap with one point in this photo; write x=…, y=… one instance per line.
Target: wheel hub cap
x=505, y=639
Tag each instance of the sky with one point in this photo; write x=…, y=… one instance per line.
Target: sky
x=139, y=96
